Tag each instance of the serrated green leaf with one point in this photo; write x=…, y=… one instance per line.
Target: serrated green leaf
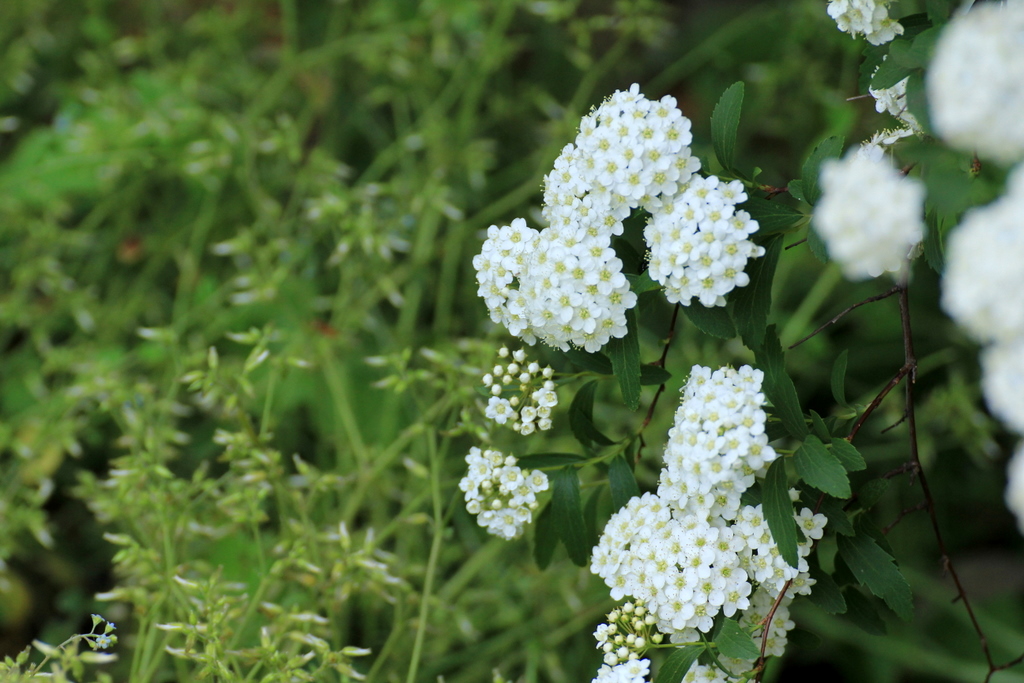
x=733, y=641
x=772, y=216
x=594, y=362
x=838, y=519
x=642, y=283
x=540, y=461
x=653, y=374
x=892, y=70
x=871, y=492
x=625, y=356
x=778, y=510
x=873, y=56
x=816, y=244
x=796, y=190
x=621, y=481
x=819, y=428
x=826, y=593
x=568, y=514
x=714, y=320
x=545, y=538
x=862, y=613
x=877, y=571
x=778, y=387
x=751, y=304
x=839, y=378
x=826, y=149
x=848, y=455
x=678, y=663
x=581, y=417
x=725, y=121
x=817, y=466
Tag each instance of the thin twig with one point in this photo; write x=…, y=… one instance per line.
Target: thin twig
x=767, y=623
x=836, y=319
x=903, y=513
x=877, y=400
x=660, y=363
x=798, y=242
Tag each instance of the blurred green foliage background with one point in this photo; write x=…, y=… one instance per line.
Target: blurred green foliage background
x=301, y=185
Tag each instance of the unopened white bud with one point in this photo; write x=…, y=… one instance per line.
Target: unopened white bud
x=503, y=352
x=519, y=355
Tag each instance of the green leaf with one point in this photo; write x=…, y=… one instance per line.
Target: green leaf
x=826, y=149
x=875, y=569
x=871, y=492
x=568, y=514
x=917, y=101
x=839, y=378
x=933, y=249
x=826, y=593
x=819, y=428
x=751, y=304
x=625, y=357
x=817, y=466
x=873, y=56
x=714, y=320
x=678, y=663
x=733, y=641
x=778, y=387
x=621, y=481
x=848, y=454
x=540, y=461
x=725, y=121
x=642, y=283
x=778, y=510
x=594, y=362
x=627, y=253
x=838, y=519
x=772, y=216
x=816, y=244
x=862, y=613
x=545, y=538
x=590, y=517
x=796, y=190
x=653, y=374
x=581, y=417
x=891, y=71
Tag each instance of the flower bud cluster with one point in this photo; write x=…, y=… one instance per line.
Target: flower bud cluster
x=867, y=17
x=501, y=495
x=627, y=634
x=631, y=671
x=532, y=393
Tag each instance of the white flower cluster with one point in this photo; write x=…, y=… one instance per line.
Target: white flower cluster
x=867, y=17
x=502, y=495
x=627, y=634
x=698, y=241
x=975, y=82
x=869, y=215
x=894, y=101
x=693, y=551
x=875, y=148
x=632, y=671
x=981, y=290
x=564, y=285
x=532, y=389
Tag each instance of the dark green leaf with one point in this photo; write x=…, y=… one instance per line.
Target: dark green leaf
x=751, y=304
x=642, y=283
x=653, y=374
x=621, y=481
x=873, y=56
x=590, y=517
x=826, y=593
x=938, y=11
x=819, y=468
x=838, y=519
x=725, y=121
x=629, y=256
x=751, y=496
x=594, y=362
x=625, y=357
x=933, y=242
x=839, y=378
x=714, y=320
x=848, y=454
x=568, y=514
x=877, y=571
x=816, y=244
x=827, y=149
x=540, y=461
x=871, y=492
x=862, y=613
x=796, y=190
x=778, y=510
x=545, y=538
x=581, y=417
x=773, y=217
x=778, y=387
x=819, y=428
x=893, y=69
x=917, y=101
x=678, y=663
x=733, y=641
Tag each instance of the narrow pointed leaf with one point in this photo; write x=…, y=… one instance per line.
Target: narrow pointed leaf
x=678, y=663
x=625, y=356
x=817, y=466
x=827, y=149
x=537, y=461
x=581, y=417
x=773, y=216
x=568, y=514
x=839, y=378
x=621, y=481
x=545, y=538
x=778, y=510
x=653, y=374
x=753, y=302
x=778, y=387
x=595, y=362
x=863, y=613
x=725, y=121
x=848, y=454
x=819, y=428
x=826, y=593
x=714, y=320
x=733, y=641
x=877, y=571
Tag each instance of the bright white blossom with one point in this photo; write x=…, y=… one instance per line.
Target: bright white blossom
x=698, y=241
x=869, y=18
x=869, y=215
x=975, y=82
x=522, y=393
x=984, y=276
x=633, y=671
x=894, y=101
x=875, y=148
x=1015, y=486
x=499, y=493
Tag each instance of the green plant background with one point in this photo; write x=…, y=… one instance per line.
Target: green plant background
x=310, y=180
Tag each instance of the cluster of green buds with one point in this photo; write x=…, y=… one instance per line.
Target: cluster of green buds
x=627, y=634
x=522, y=393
